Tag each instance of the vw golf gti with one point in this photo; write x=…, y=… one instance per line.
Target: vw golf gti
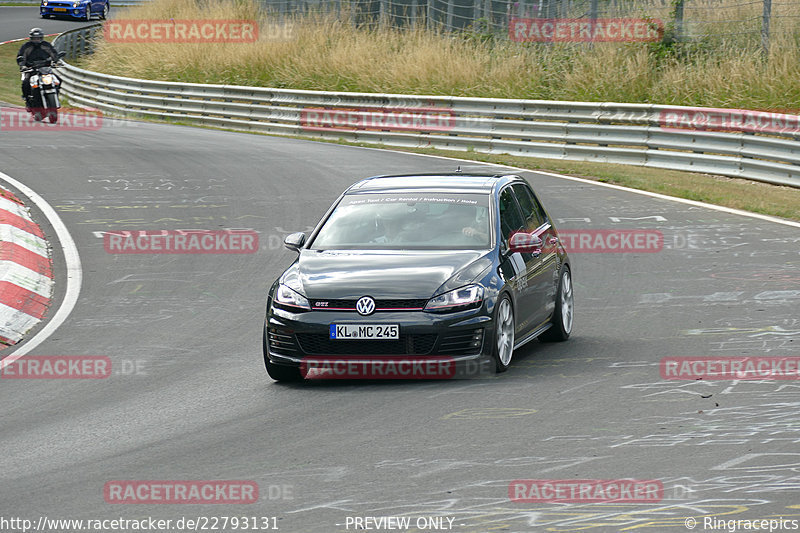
x=416, y=274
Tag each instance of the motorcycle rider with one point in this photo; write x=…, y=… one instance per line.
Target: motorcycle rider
x=36, y=49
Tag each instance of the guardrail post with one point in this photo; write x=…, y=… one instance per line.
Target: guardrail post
x=765, y=17
x=429, y=14
x=383, y=12
x=593, y=16
x=450, y=8
x=679, y=20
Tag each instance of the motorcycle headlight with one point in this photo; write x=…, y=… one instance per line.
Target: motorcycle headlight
x=466, y=297
x=286, y=298
x=47, y=79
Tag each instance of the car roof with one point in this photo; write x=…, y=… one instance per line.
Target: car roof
x=455, y=182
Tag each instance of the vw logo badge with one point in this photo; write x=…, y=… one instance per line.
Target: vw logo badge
x=365, y=305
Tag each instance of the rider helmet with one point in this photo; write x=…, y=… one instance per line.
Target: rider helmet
x=37, y=35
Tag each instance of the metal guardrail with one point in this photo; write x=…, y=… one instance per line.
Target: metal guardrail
x=630, y=134
x=78, y=42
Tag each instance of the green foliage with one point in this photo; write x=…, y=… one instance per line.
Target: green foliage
x=481, y=31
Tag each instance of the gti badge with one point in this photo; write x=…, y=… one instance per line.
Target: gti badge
x=365, y=305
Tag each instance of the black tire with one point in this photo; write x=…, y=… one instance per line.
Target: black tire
x=503, y=337
x=562, y=320
x=280, y=372
x=52, y=109
x=104, y=14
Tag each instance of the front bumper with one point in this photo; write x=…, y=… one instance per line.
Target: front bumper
x=63, y=11
x=444, y=344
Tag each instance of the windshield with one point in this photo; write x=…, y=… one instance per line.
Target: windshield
x=437, y=221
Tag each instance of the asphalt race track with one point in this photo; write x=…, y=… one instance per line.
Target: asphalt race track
x=16, y=22
x=188, y=398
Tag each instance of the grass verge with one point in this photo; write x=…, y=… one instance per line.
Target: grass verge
x=10, y=91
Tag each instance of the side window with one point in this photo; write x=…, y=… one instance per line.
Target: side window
x=531, y=209
x=510, y=216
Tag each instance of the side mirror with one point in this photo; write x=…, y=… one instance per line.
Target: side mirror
x=61, y=54
x=295, y=241
x=525, y=243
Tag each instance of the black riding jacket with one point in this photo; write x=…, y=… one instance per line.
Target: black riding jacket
x=32, y=52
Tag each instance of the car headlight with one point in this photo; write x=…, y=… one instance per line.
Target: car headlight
x=292, y=300
x=456, y=300
x=44, y=3
x=76, y=4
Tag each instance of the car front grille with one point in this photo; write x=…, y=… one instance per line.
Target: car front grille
x=281, y=342
x=380, y=305
x=466, y=342
x=407, y=344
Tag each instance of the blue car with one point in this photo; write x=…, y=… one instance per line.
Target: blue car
x=75, y=9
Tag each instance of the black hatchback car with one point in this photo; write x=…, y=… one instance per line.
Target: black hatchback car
x=408, y=275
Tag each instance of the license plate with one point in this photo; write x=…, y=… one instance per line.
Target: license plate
x=63, y=9
x=364, y=331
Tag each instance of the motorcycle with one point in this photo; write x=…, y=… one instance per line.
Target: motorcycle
x=45, y=88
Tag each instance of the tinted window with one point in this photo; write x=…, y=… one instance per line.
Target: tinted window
x=531, y=210
x=510, y=216
x=413, y=220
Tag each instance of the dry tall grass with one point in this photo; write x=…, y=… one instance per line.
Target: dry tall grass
x=724, y=68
